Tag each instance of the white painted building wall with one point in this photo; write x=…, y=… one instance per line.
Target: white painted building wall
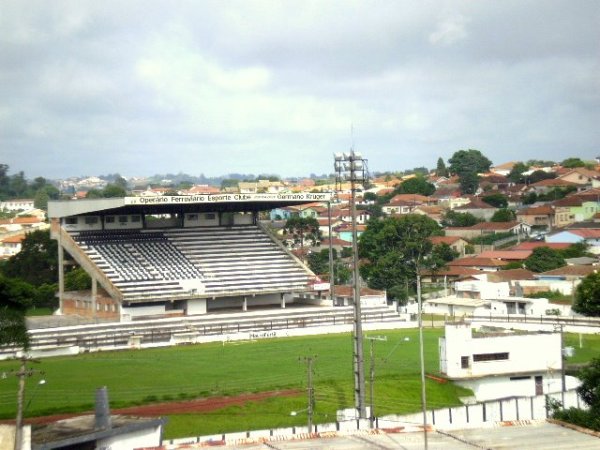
x=149, y=437
x=481, y=289
x=526, y=353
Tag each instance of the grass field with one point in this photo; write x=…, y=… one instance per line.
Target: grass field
x=174, y=373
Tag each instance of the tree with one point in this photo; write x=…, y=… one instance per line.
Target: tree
x=539, y=175
x=498, y=200
x=43, y=194
x=77, y=280
x=543, y=259
x=370, y=197
x=416, y=185
x=441, y=169
x=319, y=261
x=457, y=219
x=576, y=250
x=303, y=228
x=113, y=190
x=503, y=215
x=589, y=390
x=516, y=173
x=15, y=297
x=572, y=163
x=395, y=248
x=587, y=296
x=94, y=193
x=37, y=262
x=467, y=164
x=443, y=252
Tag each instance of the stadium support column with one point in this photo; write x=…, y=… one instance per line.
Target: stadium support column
x=282, y=300
x=94, y=297
x=245, y=304
x=61, y=271
x=331, y=268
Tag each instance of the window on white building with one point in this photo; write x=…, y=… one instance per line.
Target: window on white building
x=481, y=357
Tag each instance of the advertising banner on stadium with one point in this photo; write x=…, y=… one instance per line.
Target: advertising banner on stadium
x=305, y=197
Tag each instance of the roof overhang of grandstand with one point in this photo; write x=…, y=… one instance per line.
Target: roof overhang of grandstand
x=181, y=203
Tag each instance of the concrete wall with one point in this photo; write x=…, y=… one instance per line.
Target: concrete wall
x=196, y=306
x=150, y=437
x=488, y=414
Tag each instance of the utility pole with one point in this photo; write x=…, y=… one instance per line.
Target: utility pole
x=353, y=168
x=21, y=374
x=310, y=391
x=372, y=339
x=422, y=357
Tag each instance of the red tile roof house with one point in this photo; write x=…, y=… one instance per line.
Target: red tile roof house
x=482, y=264
x=538, y=216
x=483, y=228
x=545, y=186
x=590, y=236
x=507, y=255
x=456, y=243
x=478, y=208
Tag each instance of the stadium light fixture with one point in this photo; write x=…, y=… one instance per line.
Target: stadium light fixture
x=352, y=167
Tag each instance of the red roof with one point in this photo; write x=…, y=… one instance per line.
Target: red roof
x=553, y=182
x=506, y=255
x=14, y=239
x=592, y=233
x=20, y=221
x=542, y=210
x=473, y=261
x=436, y=240
x=476, y=203
x=534, y=245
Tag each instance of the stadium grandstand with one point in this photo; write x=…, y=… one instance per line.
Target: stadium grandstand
x=176, y=255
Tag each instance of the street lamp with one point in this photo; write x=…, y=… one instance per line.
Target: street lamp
x=352, y=167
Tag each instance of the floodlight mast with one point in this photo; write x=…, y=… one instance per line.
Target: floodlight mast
x=351, y=167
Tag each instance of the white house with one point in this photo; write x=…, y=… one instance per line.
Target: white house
x=17, y=204
x=502, y=363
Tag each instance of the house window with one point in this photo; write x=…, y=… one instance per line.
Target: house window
x=210, y=216
x=109, y=219
x=91, y=220
x=136, y=219
x=193, y=217
x=122, y=219
x=71, y=220
x=523, y=377
x=481, y=357
x=464, y=362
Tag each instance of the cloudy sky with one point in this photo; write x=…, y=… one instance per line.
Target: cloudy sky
x=253, y=86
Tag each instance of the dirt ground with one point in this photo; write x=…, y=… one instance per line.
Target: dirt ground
x=179, y=407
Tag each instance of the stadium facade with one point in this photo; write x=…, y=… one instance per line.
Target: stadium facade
x=176, y=255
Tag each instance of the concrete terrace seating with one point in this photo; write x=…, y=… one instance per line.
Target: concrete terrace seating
x=237, y=259
x=157, y=263
x=139, y=264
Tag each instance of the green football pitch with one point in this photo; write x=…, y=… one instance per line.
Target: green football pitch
x=137, y=377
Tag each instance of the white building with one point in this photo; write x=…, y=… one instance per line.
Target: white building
x=502, y=364
x=17, y=204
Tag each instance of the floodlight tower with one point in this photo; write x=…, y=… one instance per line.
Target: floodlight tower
x=352, y=167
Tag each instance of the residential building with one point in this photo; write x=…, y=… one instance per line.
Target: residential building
x=456, y=243
x=590, y=237
x=17, y=204
x=537, y=216
x=478, y=208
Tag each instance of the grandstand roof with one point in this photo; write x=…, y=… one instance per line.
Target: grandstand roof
x=184, y=203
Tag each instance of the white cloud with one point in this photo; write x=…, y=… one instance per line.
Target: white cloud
x=449, y=31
